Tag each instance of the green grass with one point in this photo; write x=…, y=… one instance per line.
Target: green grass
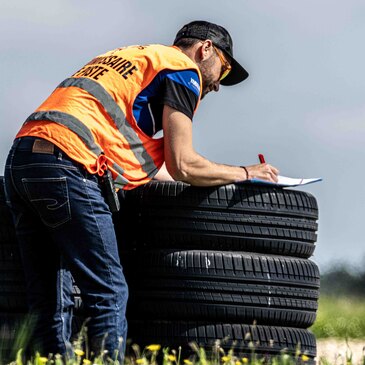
x=154, y=355
x=342, y=317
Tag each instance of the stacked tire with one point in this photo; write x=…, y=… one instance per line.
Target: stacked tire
x=14, y=322
x=12, y=284
x=228, y=263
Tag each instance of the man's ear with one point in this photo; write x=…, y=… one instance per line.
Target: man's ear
x=206, y=49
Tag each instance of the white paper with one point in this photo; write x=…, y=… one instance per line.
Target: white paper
x=284, y=181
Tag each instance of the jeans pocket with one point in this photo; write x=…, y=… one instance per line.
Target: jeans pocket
x=49, y=197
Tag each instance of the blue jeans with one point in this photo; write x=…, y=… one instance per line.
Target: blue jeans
x=65, y=231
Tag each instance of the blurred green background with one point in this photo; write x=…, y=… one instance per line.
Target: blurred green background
x=341, y=310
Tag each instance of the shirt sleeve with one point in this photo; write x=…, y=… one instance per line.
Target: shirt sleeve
x=181, y=91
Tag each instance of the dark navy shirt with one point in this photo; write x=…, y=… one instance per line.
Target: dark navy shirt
x=177, y=89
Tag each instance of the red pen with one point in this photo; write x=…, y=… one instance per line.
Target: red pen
x=262, y=158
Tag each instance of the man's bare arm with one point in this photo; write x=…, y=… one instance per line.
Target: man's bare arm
x=185, y=164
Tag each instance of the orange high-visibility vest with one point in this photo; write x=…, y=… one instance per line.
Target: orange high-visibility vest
x=90, y=115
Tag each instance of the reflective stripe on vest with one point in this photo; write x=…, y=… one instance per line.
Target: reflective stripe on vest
x=70, y=122
x=113, y=110
x=82, y=131
x=118, y=117
x=120, y=180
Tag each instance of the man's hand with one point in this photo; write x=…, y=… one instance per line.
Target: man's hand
x=263, y=171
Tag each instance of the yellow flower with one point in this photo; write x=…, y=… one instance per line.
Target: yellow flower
x=245, y=360
x=79, y=352
x=305, y=358
x=238, y=363
x=171, y=358
x=86, y=362
x=187, y=362
x=140, y=361
x=226, y=358
x=43, y=360
x=153, y=347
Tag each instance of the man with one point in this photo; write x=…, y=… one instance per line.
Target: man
x=96, y=129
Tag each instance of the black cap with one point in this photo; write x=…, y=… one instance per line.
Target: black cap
x=220, y=37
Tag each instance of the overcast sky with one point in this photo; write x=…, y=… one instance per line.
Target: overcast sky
x=303, y=105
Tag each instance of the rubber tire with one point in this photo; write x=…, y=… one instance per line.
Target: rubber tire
x=268, y=341
x=12, y=281
x=12, y=286
x=229, y=287
x=7, y=231
x=230, y=218
x=13, y=296
x=15, y=331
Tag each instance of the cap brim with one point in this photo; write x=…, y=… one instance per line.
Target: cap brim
x=237, y=74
